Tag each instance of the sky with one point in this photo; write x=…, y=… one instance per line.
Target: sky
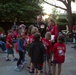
x=48, y=8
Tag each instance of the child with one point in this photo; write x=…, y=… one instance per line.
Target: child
x=59, y=50
x=21, y=50
x=31, y=39
x=9, y=46
x=37, y=51
x=48, y=47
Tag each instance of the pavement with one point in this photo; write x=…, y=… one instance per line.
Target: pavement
x=68, y=68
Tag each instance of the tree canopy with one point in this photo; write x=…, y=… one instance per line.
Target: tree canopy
x=20, y=10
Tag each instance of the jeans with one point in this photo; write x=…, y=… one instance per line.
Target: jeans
x=2, y=45
x=21, y=56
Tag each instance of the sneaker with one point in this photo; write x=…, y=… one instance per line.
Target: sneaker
x=17, y=69
x=15, y=59
x=5, y=51
x=50, y=73
x=24, y=62
x=31, y=71
x=8, y=60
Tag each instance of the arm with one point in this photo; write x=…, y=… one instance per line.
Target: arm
x=56, y=32
x=8, y=43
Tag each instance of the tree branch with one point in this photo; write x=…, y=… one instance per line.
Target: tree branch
x=54, y=5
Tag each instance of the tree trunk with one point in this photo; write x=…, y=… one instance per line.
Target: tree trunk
x=70, y=17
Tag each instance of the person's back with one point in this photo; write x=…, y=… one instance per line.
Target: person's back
x=37, y=52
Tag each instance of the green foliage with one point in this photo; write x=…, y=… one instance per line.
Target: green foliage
x=22, y=10
x=62, y=22
x=54, y=13
x=2, y=30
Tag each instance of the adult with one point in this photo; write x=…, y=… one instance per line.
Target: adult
x=40, y=25
x=74, y=33
x=54, y=30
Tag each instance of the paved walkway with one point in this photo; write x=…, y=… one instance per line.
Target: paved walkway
x=68, y=68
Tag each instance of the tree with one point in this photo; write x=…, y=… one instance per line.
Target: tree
x=54, y=13
x=20, y=10
x=67, y=4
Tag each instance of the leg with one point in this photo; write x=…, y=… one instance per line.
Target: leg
x=59, y=69
x=35, y=71
x=31, y=68
x=39, y=72
x=44, y=67
x=7, y=56
x=49, y=66
x=20, y=58
x=54, y=69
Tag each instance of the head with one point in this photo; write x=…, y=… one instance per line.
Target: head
x=39, y=18
x=22, y=35
x=10, y=32
x=34, y=30
x=48, y=35
x=29, y=29
x=60, y=38
x=51, y=22
x=37, y=37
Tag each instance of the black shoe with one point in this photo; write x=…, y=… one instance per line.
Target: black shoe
x=31, y=71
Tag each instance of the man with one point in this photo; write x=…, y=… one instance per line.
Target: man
x=40, y=25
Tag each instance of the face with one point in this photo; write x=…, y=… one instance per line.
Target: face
x=50, y=23
x=39, y=18
x=23, y=34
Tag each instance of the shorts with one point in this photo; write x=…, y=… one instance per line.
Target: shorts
x=10, y=51
x=38, y=67
x=46, y=57
x=54, y=62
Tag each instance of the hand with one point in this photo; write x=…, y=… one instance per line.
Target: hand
x=22, y=50
x=11, y=46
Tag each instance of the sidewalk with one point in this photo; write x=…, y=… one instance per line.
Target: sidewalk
x=68, y=68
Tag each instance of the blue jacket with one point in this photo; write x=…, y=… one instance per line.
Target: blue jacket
x=21, y=46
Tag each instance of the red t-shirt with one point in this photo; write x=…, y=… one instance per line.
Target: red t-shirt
x=47, y=44
x=30, y=39
x=74, y=27
x=9, y=39
x=0, y=33
x=54, y=31
x=59, y=50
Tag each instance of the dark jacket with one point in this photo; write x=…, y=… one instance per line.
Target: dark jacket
x=41, y=30
x=37, y=51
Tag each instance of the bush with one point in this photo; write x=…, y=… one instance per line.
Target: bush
x=62, y=22
x=2, y=30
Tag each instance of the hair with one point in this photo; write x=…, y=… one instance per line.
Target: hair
x=34, y=30
x=61, y=39
x=39, y=16
x=36, y=36
x=9, y=31
x=29, y=29
x=52, y=20
x=48, y=35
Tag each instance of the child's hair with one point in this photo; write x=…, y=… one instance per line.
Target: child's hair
x=34, y=30
x=9, y=31
x=61, y=38
x=48, y=35
x=29, y=29
x=36, y=36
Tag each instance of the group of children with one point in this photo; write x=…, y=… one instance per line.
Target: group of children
x=40, y=50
